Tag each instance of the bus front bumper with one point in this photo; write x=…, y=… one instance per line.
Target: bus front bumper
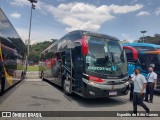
x=94, y=90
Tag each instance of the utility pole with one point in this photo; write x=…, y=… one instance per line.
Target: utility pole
x=143, y=32
x=30, y=25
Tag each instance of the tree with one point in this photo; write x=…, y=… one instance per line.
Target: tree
x=36, y=49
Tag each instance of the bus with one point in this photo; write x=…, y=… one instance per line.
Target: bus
x=12, y=54
x=88, y=64
x=148, y=56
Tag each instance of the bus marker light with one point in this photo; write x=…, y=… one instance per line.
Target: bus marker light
x=95, y=79
x=84, y=45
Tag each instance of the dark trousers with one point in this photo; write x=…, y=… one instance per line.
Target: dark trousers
x=138, y=100
x=131, y=91
x=149, y=91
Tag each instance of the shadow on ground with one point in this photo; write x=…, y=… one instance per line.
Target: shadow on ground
x=92, y=102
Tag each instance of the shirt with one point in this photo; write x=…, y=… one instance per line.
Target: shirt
x=139, y=80
x=152, y=77
x=132, y=76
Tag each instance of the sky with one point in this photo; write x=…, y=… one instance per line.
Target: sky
x=52, y=19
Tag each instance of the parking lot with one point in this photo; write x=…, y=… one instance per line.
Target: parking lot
x=38, y=95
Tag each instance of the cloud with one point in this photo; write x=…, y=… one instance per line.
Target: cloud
x=125, y=8
x=87, y=16
x=143, y=13
x=15, y=15
x=61, y=0
x=20, y=3
x=78, y=15
x=157, y=11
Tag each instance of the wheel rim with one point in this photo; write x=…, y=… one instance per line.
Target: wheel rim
x=22, y=76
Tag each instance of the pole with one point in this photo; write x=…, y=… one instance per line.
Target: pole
x=29, y=36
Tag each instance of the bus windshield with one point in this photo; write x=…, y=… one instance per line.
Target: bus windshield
x=105, y=57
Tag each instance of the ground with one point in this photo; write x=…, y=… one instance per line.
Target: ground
x=38, y=95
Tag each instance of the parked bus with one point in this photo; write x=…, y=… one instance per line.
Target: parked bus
x=88, y=64
x=12, y=54
x=148, y=56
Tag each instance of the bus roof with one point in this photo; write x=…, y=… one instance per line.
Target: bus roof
x=82, y=32
x=10, y=34
x=142, y=44
x=95, y=34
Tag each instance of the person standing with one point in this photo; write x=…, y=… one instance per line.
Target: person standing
x=139, y=91
x=132, y=85
x=151, y=84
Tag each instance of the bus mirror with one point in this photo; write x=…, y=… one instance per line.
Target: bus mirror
x=84, y=45
x=131, y=53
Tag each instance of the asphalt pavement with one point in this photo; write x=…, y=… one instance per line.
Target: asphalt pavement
x=38, y=95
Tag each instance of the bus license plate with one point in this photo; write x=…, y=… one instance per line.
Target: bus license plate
x=113, y=93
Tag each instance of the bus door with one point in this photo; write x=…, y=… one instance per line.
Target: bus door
x=57, y=68
x=68, y=71
x=77, y=69
x=132, y=58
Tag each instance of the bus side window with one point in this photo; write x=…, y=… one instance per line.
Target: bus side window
x=67, y=59
x=75, y=36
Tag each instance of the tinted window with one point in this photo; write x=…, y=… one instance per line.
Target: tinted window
x=67, y=59
x=142, y=59
x=75, y=36
x=54, y=48
x=129, y=54
x=62, y=44
x=8, y=31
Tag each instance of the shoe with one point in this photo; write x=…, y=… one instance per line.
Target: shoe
x=150, y=101
x=145, y=100
x=148, y=113
x=133, y=112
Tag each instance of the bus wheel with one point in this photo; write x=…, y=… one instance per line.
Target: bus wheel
x=42, y=75
x=66, y=87
x=2, y=85
x=22, y=76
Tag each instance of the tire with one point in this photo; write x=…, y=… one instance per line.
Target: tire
x=64, y=90
x=2, y=85
x=42, y=75
x=22, y=76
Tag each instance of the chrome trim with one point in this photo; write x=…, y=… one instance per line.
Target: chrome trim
x=105, y=86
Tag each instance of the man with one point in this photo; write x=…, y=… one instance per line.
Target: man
x=139, y=91
x=132, y=85
x=151, y=84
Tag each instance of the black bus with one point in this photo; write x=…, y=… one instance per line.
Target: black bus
x=88, y=64
x=12, y=54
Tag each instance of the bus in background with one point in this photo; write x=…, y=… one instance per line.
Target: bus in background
x=12, y=54
x=88, y=64
x=148, y=56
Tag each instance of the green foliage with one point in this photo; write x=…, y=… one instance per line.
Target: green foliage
x=153, y=40
x=36, y=49
x=36, y=68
